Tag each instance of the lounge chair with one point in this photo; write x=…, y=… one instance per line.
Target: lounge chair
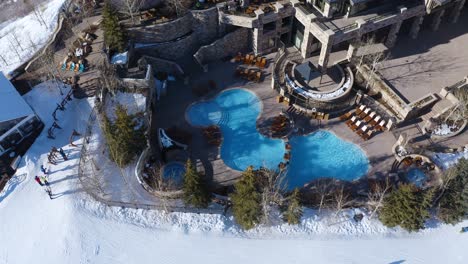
x=356, y=126
x=64, y=66
x=258, y=76
x=313, y=115
x=263, y=63
x=77, y=67
x=72, y=67
x=367, y=135
x=351, y=121
x=238, y=57
x=326, y=116
x=346, y=115
x=370, y=116
x=362, y=131
x=82, y=67
x=381, y=126
x=375, y=121
x=365, y=112
x=360, y=109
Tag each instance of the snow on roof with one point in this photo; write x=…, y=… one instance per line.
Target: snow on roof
x=12, y=105
x=119, y=58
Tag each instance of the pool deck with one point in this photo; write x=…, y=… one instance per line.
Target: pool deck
x=170, y=111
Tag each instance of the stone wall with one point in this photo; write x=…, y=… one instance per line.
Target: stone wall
x=158, y=64
x=205, y=25
x=179, y=38
x=163, y=32
x=173, y=50
x=228, y=45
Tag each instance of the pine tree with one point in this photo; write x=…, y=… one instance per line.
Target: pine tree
x=453, y=205
x=246, y=200
x=113, y=32
x=294, y=212
x=195, y=193
x=125, y=140
x=407, y=207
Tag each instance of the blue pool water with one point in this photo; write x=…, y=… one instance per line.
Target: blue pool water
x=174, y=171
x=317, y=155
x=416, y=176
x=235, y=112
x=324, y=155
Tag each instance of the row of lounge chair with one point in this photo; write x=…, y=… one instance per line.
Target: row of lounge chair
x=253, y=75
x=364, y=121
x=250, y=59
x=71, y=66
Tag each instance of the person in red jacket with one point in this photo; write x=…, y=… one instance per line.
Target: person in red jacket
x=38, y=180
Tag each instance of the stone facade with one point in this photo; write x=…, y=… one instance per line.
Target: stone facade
x=228, y=45
x=179, y=38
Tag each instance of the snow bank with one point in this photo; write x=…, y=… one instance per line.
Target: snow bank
x=22, y=37
x=443, y=130
x=133, y=102
x=447, y=160
x=119, y=58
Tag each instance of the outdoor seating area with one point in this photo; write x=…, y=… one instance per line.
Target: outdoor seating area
x=252, y=67
x=213, y=135
x=75, y=60
x=280, y=126
x=364, y=121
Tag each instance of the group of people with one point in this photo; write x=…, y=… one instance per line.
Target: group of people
x=54, y=155
x=43, y=180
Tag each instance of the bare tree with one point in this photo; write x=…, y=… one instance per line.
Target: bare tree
x=370, y=57
x=108, y=77
x=341, y=199
x=132, y=7
x=323, y=188
x=273, y=187
x=15, y=38
x=161, y=184
x=376, y=195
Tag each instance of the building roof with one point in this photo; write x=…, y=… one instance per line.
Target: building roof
x=12, y=105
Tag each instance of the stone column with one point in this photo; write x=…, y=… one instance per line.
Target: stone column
x=352, y=49
x=305, y=46
x=257, y=40
x=325, y=51
x=415, y=26
x=437, y=19
x=393, y=34
x=456, y=11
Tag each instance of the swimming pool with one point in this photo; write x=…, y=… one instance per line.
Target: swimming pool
x=324, y=155
x=173, y=172
x=416, y=176
x=321, y=154
x=235, y=112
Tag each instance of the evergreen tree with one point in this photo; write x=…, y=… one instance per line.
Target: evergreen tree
x=194, y=189
x=407, y=207
x=125, y=140
x=246, y=200
x=294, y=212
x=453, y=205
x=113, y=32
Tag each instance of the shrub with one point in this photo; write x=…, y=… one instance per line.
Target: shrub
x=293, y=213
x=124, y=138
x=407, y=207
x=246, y=200
x=195, y=193
x=114, y=34
x=453, y=204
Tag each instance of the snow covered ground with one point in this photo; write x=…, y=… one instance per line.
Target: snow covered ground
x=20, y=38
x=72, y=228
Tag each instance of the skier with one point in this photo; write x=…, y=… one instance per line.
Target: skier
x=64, y=156
x=38, y=180
x=44, y=170
x=44, y=180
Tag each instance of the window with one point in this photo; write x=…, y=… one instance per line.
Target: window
x=7, y=125
x=11, y=139
x=320, y=4
x=29, y=126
